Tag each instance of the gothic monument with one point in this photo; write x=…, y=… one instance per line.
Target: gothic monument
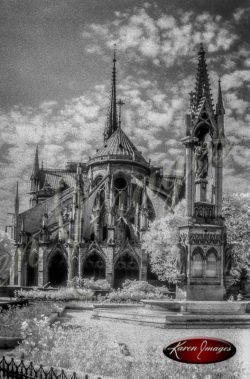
x=203, y=240
x=87, y=220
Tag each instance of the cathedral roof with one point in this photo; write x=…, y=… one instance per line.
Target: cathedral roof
x=53, y=177
x=119, y=146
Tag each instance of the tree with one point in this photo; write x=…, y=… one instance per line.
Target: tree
x=160, y=243
x=236, y=211
x=161, y=239
x=6, y=253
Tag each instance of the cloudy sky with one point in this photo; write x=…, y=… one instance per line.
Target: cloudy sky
x=55, y=71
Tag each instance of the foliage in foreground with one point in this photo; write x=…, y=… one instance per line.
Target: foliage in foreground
x=11, y=320
x=91, y=350
x=60, y=294
x=7, y=248
x=87, y=349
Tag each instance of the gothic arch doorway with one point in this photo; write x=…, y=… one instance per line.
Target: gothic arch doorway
x=94, y=266
x=30, y=266
x=126, y=267
x=57, y=270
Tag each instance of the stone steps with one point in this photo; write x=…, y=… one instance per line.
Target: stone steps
x=172, y=320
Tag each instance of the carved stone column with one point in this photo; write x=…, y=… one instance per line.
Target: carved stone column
x=188, y=142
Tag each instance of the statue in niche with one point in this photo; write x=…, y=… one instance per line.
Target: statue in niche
x=181, y=259
x=201, y=161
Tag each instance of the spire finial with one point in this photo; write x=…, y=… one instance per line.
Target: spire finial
x=202, y=86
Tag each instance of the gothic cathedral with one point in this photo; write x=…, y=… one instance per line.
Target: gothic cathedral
x=88, y=219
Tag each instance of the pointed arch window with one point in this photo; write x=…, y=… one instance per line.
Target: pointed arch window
x=197, y=263
x=211, y=263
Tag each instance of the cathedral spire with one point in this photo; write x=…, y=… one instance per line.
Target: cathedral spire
x=17, y=200
x=202, y=85
x=112, y=122
x=35, y=172
x=219, y=106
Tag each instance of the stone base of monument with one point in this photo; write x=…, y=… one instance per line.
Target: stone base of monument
x=199, y=292
x=181, y=314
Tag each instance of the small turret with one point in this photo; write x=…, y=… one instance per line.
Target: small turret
x=23, y=234
x=220, y=106
x=15, y=215
x=220, y=111
x=34, y=180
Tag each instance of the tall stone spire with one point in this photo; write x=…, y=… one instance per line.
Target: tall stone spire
x=202, y=85
x=17, y=200
x=112, y=122
x=35, y=172
x=219, y=106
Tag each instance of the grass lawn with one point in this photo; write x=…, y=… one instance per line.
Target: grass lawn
x=117, y=349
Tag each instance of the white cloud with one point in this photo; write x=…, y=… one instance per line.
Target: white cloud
x=235, y=104
x=235, y=79
x=156, y=99
x=161, y=37
x=239, y=13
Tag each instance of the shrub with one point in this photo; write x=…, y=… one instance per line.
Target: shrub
x=12, y=319
x=140, y=285
x=134, y=291
x=100, y=284
x=60, y=294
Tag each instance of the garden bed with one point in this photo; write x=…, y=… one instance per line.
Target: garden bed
x=132, y=291
x=62, y=294
x=85, y=345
